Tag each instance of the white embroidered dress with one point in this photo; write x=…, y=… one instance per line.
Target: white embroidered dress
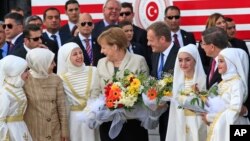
x=13, y=101
x=77, y=82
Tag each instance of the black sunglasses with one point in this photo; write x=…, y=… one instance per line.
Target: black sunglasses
x=86, y=23
x=36, y=38
x=10, y=26
x=171, y=17
x=125, y=13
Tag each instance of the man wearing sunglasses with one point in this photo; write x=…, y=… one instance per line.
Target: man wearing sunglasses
x=32, y=39
x=90, y=47
x=140, y=35
x=72, y=10
x=111, y=11
x=172, y=19
x=13, y=27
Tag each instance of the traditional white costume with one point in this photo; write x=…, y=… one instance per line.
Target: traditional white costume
x=233, y=92
x=13, y=101
x=183, y=124
x=77, y=82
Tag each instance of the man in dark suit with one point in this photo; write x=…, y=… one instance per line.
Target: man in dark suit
x=32, y=39
x=134, y=47
x=172, y=19
x=111, y=11
x=231, y=32
x=139, y=34
x=91, y=49
x=163, y=60
x=72, y=10
x=13, y=26
x=52, y=21
x=214, y=39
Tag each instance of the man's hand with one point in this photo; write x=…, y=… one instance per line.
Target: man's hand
x=243, y=111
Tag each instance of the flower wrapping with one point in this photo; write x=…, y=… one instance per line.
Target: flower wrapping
x=157, y=92
x=121, y=100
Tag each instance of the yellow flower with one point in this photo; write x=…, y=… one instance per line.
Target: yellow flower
x=135, y=83
x=167, y=93
x=133, y=91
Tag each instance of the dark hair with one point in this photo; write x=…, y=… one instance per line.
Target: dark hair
x=161, y=29
x=28, y=28
x=15, y=16
x=217, y=36
x=228, y=19
x=17, y=9
x=127, y=5
x=48, y=9
x=70, y=2
x=124, y=23
x=32, y=18
x=172, y=8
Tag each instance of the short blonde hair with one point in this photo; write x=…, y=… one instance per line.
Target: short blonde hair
x=114, y=36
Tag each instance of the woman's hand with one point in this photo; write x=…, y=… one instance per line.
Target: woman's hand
x=203, y=117
x=64, y=139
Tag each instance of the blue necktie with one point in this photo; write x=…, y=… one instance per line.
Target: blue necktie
x=160, y=68
x=54, y=38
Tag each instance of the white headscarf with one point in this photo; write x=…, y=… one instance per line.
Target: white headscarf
x=176, y=115
x=39, y=61
x=64, y=64
x=237, y=62
x=11, y=69
x=199, y=76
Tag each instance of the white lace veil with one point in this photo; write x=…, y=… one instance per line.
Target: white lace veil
x=64, y=64
x=39, y=61
x=11, y=69
x=176, y=122
x=237, y=62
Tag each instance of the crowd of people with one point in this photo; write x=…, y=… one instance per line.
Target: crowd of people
x=48, y=73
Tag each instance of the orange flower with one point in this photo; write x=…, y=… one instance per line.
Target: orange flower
x=152, y=93
x=115, y=93
x=109, y=102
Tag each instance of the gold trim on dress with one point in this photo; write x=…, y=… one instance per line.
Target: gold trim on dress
x=211, y=128
x=83, y=99
x=14, y=118
x=189, y=113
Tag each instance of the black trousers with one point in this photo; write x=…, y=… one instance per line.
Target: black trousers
x=163, y=124
x=131, y=131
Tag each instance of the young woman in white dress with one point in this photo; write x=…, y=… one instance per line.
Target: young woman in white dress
x=78, y=80
x=13, y=101
x=233, y=65
x=184, y=124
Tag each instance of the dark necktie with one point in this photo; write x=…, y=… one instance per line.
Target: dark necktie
x=160, y=68
x=176, y=41
x=211, y=74
x=10, y=47
x=89, y=50
x=54, y=38
x=1, y=53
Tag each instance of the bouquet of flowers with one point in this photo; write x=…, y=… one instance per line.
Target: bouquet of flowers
x=195, y=99
x=121, y=101
x=124, y=92
x=156, y=92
